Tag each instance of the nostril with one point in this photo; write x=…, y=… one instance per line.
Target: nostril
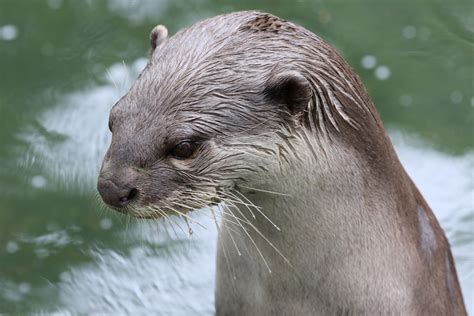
x=133, y=194
x=114, y=195
x=130, y=196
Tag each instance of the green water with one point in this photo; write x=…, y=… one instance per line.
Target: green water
x=64, y=63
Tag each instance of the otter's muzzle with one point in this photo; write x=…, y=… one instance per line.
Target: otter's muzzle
x=115, y=195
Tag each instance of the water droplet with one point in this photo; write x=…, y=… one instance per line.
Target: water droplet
x=406, y=100
x=38, y=181
x=42, y=253
x=55, y=4
x=8, y=32
x=368, y=61
x=24, y=288
x=190, y=230
x=382, y=72
x=12, y=247
x=409, y=32
x=456, y=96
x=105, y=223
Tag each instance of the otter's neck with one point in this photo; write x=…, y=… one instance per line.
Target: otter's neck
x=338, y=227
x=317, y=207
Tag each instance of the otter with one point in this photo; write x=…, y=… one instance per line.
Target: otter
x=262, y=118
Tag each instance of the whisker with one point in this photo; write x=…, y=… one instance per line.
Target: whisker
x=186, y=216
x=265, y=191
x=241, y=202
x=251, y=239
x=171, y=220
x=190, y=230
x=264, y=237
x=259, y=209
x=224, y=251
x=228, y=230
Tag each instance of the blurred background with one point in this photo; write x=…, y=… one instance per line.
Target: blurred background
x=63, y=64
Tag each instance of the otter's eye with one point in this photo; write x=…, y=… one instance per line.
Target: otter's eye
x=110, y=125
x=184, y=150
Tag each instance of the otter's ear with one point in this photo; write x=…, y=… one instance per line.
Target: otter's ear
x=291, y=89
x=157, y=36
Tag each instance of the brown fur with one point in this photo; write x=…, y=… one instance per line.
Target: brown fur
x=272, y=107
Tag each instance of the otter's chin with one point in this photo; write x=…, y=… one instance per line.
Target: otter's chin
x=145, y=207
x=156, y=211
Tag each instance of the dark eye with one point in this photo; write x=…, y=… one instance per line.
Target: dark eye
x=110, y=125
x=184, y=150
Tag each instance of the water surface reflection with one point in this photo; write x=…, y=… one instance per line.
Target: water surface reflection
x=65, y=63
x=153, y=268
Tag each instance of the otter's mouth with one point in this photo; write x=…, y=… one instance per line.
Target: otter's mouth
x=137, y=203
x=160, y=210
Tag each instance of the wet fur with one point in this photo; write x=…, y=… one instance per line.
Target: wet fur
x=277, y=109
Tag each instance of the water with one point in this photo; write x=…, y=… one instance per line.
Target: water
x=64, y=63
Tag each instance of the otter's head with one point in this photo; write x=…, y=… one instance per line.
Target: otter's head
x=213, y=110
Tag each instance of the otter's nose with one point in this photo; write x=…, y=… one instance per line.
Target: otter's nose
x=115, y=195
